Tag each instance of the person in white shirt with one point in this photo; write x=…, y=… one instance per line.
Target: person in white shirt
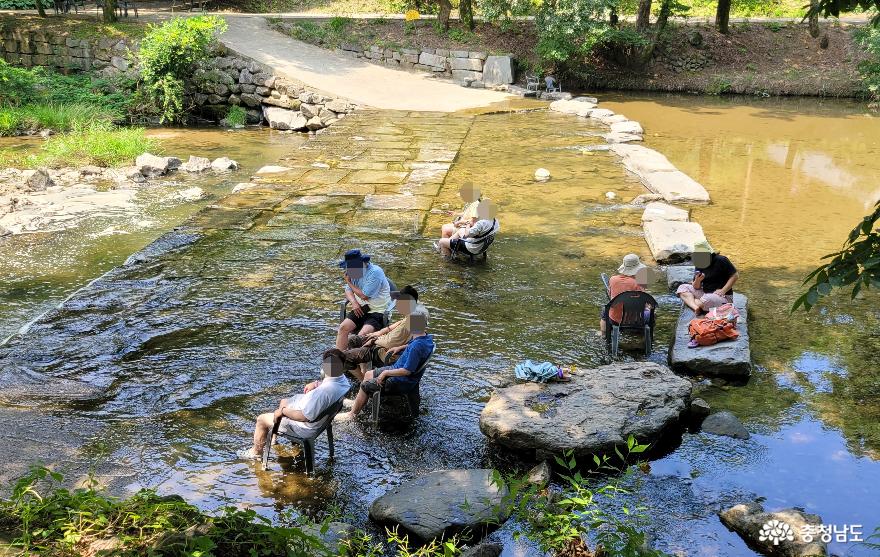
x=298, y=414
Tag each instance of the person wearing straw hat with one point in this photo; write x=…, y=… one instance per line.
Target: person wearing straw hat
x=714, y=278
x=631, y=275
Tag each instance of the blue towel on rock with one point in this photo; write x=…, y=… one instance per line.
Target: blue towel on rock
x=539, y=373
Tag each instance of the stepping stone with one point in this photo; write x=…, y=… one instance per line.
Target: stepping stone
x=430, y=189
x=223, y=219
x=397, y=202
x=273, y=169
x=671, y=240
x=731, y=358
x=376, y=177
x=344, y=189
x=663, y=211
x=436, y=155
x=676, y=275
x=443, y=503
x=388, y=222
x=592, y=414
x=325, y=176
x=428, y=175
x=659, y=175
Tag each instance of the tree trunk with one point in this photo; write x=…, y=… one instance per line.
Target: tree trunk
x=643, y=19
x=663, y=18
x=443, y=16
x=466, y=13
x=722, y=17
x=814, y=18
x=40, y=9
x=109, y=11
x=613, y=18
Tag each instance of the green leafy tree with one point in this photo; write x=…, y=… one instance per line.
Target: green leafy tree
x=834, y=8
x=169, y=54
x=856, y=264
x=869, y=39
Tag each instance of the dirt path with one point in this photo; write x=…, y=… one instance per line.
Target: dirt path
x=361, y=82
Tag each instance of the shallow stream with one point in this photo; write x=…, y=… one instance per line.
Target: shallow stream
x=206, y=339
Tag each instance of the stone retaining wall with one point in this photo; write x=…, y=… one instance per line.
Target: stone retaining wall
x=60, y=50
x=229, y=79
x=463, y=66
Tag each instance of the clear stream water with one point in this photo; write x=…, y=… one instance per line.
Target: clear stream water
x=788, y=178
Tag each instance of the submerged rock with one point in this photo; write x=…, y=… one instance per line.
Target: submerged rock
x=594, y=413
x=725, y=423
x=443, y=503
x=152, y=165
x=224, y=163
x=197, y=164
x=730, y=358
x=485, y=549
x=777, y=534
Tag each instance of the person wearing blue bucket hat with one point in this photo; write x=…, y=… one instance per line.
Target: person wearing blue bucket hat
x=368, y=292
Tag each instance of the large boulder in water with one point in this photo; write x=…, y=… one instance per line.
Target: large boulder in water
x=777, y=534
x=594, y=413
x=443, y=503
x=730, y=358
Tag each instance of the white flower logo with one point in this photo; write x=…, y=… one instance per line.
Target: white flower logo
x=776, y=531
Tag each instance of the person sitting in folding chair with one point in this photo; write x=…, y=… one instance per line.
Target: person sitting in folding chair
x=399, y=378
x=369, y=293
x=473, y=240
x=383, y=347
x=297, y=414
x=468, y=216
x=632, y=275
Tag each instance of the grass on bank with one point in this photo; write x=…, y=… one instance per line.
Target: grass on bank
x=98, y=144
x=20, y=120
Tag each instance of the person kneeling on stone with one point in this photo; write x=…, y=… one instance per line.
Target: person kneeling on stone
x=713, y=281
x=399, y=378
x=473, y=239
x=298, y=413
x=632, y=275
x=383, y=347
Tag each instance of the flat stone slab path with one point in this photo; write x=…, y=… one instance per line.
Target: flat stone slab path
x=358, y=81
x=248, y=281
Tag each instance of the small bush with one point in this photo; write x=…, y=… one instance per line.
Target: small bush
x=169, y=53
x=237, y=116
x=17, y=85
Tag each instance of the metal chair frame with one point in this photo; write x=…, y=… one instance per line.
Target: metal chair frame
x=308, y=443
x=413, y=399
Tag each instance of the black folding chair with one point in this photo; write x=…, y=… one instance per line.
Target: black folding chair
x=308, y=443
x=635, y=303
x=413, y=398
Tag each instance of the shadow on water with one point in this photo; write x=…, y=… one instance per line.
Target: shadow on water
x=186, y=347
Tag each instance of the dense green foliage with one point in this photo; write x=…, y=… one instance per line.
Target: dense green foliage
x=18, y=120
x=236, y=116
x=869, y=39
x=856, y=264
x=169, y=53
x=63, y=522
x=23, y=4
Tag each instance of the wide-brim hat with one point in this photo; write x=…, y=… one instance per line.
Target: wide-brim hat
x=704, y=246
x=354, y=258
x=631, y=265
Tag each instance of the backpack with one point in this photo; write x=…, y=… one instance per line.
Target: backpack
x=711, y=331
x=725, y=312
